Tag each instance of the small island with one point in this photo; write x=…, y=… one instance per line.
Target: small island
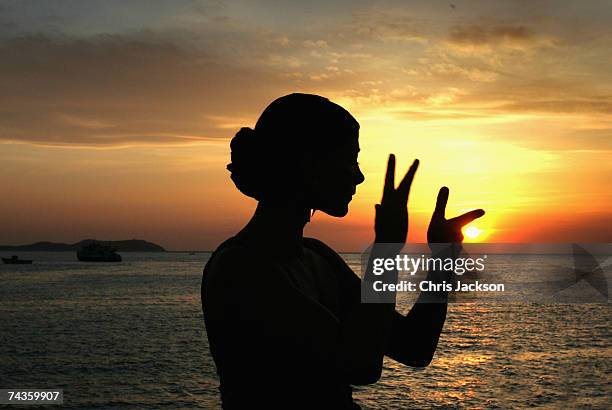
x=128, y=245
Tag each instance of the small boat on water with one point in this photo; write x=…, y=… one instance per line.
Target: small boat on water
x=14, y=260
x=98, y=252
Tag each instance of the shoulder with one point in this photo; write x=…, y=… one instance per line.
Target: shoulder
x=237, y=263
x=320, y=247
x=330, y=255
x=230, y=261
x=230, y=253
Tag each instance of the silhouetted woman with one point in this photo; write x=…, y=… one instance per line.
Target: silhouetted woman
x=283, y=313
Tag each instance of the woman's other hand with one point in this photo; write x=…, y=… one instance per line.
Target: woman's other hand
x=448, y=231
x=391, y=221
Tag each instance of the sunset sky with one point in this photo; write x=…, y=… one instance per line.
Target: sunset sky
x=115, y=117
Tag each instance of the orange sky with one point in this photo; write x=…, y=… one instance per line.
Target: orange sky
x=115, y=119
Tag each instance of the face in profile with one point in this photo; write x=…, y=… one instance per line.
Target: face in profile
x=335, y=176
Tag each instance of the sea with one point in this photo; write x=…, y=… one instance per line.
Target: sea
x=131, y=335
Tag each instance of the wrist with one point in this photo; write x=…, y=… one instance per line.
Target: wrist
x=445, y=250
x=381, y=249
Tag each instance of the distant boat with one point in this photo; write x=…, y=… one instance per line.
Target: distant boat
x=14, y=260
x=98, y=252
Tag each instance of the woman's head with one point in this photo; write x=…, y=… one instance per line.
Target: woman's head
x=304, y=147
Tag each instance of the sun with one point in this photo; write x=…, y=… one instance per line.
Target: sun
x=472, y=232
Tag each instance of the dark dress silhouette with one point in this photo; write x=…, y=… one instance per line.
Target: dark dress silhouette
x=283, y=313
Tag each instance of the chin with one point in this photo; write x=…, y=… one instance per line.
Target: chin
x=338, y=212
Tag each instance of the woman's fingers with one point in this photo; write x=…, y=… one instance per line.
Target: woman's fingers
x=467, y=217
x=389, y=186
x=440, y=210
x=404, y=186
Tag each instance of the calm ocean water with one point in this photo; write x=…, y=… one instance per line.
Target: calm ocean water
x=132, y=335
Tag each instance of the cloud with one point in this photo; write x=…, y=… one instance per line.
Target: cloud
x=384, y=26
x=579, y=140
x=486, y=37
x=174, y=85
x=446, y=69
x=315, y=44
x=593, y=105
x=112, y=89
x=478, y=34
x=438, y=115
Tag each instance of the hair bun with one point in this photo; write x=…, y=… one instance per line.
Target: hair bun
x=244, y=166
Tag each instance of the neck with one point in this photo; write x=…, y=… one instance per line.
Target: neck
x=279, y=224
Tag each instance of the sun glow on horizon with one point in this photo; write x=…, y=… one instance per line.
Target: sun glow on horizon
x=485, y=98
x=472, y=232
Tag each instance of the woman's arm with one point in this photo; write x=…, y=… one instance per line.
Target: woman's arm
x=412, y=339
x=368, y=327
x=415, y=336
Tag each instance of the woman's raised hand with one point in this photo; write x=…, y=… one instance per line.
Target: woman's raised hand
x=442, y=230
x=391, y=221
